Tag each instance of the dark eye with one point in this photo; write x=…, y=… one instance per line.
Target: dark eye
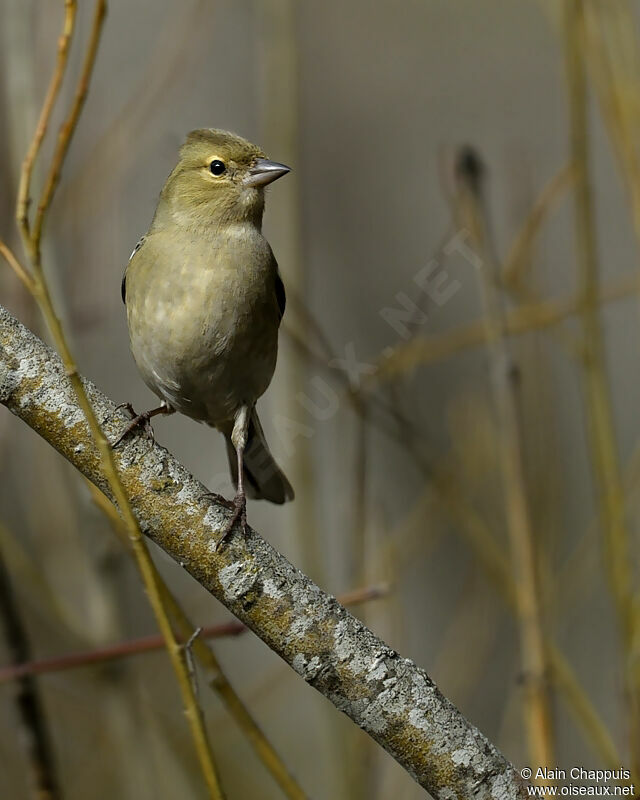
x=217, y=167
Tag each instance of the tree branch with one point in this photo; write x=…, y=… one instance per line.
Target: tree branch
x=389, y=697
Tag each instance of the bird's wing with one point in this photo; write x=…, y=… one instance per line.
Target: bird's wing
x=123, y=286
x=281, y=297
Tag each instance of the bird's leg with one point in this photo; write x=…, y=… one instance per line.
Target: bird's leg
x=141, y=420
x=239, y=437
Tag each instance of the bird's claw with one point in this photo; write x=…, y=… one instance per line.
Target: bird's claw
x=111, y=415
x=239, y=513
x=137, y=421
x=217, y=498
x=128, y=408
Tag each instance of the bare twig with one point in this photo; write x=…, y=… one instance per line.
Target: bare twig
x=155, y=642
x=280, y=119
x=520, y=253
x=496, y=566
x=219, y=682
x=423, y=350
x=40, y=291
x=216, y=677
x=388, y=696
x=583, y=711
x=489, y=554
x=113, y=652
x=24, y=189
x=601, y=434
x=611, y=45
x=537, y=704
x=11, y=259
x=473, y=529
x=68, y=126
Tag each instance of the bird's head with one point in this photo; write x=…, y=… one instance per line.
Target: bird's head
x=219, y=178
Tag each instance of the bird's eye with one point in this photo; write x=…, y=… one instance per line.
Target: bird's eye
x=217, y=167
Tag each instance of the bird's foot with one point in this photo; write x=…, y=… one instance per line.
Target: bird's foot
x=137, y=421
x=239, y=513
x=217, y=498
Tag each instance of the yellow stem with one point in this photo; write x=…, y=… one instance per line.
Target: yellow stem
x=216, y=678
x=22, y=208
x=39, y=288
x=16, y=266
x=537, y=703
x=601, y=433
x=69, y=125
x=497, y=568
x=519, y=255
x=422, y=350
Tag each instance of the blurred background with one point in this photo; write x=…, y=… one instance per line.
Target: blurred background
x=456, y=399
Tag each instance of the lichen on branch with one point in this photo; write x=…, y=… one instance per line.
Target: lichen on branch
x=388, y=696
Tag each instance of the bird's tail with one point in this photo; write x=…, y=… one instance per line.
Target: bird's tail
x=263, y=478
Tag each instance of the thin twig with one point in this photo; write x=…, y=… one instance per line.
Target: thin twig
x=424, y=350
x=7, y=253
x=114, y=652
x=490, y=555
x=280, y=117
x=495, y=565
x=155, y=642
x=216, y=677
x=579, y=571
x=69, y=126
x=601, y=435
x=40, y=290
x=519, y=257
x=219, y=682
x=401, y=708
x=24, y=189
x=583, y=711
x=537, y=703
x=471, y=525
x=612, y=73
x=360, y=783
x=520, y=253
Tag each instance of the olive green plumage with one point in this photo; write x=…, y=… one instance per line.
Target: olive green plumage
x=204, y=299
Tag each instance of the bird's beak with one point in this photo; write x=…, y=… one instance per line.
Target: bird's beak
x=264, y=172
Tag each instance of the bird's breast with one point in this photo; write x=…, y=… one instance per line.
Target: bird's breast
x=203, y=322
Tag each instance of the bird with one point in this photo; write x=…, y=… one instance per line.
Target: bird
x=204, y=301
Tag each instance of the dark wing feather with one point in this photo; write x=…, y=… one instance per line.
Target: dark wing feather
x=281, y=296
x=123, y=285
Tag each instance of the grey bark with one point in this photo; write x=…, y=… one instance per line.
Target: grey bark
x=388, y=696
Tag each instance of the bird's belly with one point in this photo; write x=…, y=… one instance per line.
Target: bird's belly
x=205, y=359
